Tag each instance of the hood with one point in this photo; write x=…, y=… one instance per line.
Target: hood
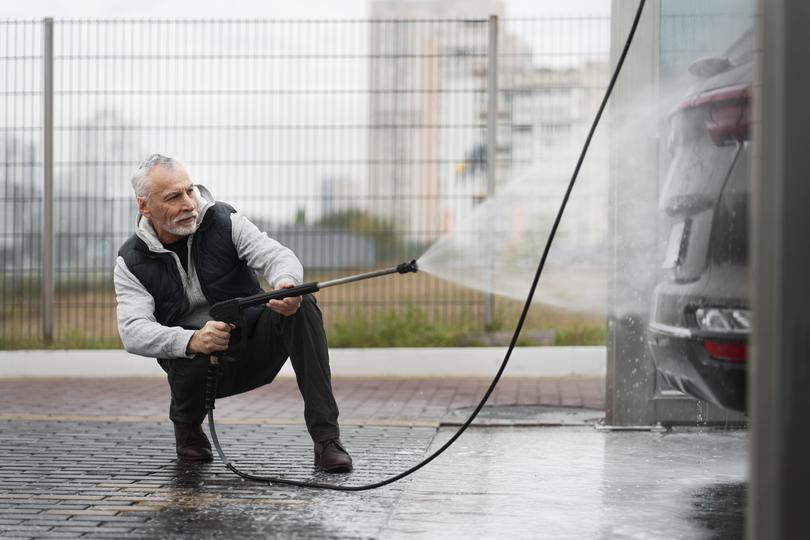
x=147, y=233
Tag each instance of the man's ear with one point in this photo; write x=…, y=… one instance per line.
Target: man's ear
x=142, y=208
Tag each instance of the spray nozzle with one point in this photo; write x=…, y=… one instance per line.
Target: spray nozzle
x=404, y=268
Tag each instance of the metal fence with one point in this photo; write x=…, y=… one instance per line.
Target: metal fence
x=355, y=142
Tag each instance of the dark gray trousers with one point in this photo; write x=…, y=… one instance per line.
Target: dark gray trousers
x=269, y=342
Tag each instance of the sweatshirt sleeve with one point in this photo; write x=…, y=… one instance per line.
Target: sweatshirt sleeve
x=139, y=330
x=264, y=255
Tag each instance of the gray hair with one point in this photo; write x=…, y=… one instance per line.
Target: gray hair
x=140, y=179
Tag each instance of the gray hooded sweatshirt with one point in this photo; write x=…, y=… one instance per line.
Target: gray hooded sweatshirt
x=137, y=326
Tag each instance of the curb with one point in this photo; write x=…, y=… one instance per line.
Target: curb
x=398, y=362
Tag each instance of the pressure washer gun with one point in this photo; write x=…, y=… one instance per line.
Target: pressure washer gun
x=230, y=311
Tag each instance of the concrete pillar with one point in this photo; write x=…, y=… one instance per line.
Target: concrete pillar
x=633, y=200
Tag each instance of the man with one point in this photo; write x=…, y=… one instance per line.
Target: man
x=190, y=252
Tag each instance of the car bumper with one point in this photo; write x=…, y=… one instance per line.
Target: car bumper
x=681, y=357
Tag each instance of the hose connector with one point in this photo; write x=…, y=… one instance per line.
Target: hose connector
x=404, y=268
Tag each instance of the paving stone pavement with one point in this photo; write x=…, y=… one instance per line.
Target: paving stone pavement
x=121, y=480
x=118, y=480
x=94, y=458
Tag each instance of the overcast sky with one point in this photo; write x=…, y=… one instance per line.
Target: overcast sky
x=263, y=8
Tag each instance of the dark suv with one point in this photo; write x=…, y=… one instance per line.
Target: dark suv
x=700, y=316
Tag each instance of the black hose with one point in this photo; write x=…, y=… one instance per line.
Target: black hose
x=518, y=328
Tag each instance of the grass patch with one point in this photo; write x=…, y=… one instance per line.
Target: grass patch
x=410, y=327
x=581, y=335
x=74, y=340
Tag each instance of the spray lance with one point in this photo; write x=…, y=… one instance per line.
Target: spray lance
x=230, y=311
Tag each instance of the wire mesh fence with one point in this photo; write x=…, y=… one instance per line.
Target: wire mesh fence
x=357, y=143
x=20, y=239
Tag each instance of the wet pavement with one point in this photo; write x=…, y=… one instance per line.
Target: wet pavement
x=69, y=470
x=578, y=483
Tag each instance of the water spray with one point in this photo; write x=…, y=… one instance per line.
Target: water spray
x=231, y=310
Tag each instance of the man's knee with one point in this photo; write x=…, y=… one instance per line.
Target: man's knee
x=308, y=315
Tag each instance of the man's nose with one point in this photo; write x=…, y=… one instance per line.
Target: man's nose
x=188, y=202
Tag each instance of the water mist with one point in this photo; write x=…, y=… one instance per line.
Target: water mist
x=496, y=246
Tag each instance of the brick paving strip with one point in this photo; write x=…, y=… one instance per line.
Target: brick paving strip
x=94, y=458
x=363, y=401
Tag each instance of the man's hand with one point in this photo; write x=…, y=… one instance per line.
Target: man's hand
x=285, y=306
x=213, y=337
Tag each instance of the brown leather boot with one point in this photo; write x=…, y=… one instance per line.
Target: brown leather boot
x=331, y=457
x=191, y=442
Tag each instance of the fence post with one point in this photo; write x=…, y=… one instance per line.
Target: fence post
x=47, y=173
x=492, y=142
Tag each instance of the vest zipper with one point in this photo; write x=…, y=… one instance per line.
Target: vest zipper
x=189, y=259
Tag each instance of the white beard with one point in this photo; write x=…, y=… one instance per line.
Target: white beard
x=182, y=230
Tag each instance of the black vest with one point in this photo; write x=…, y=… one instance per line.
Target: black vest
x=222, y=274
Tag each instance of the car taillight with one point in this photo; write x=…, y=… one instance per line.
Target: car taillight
x=734, y=351
x=736, y=320
x=728, y=113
